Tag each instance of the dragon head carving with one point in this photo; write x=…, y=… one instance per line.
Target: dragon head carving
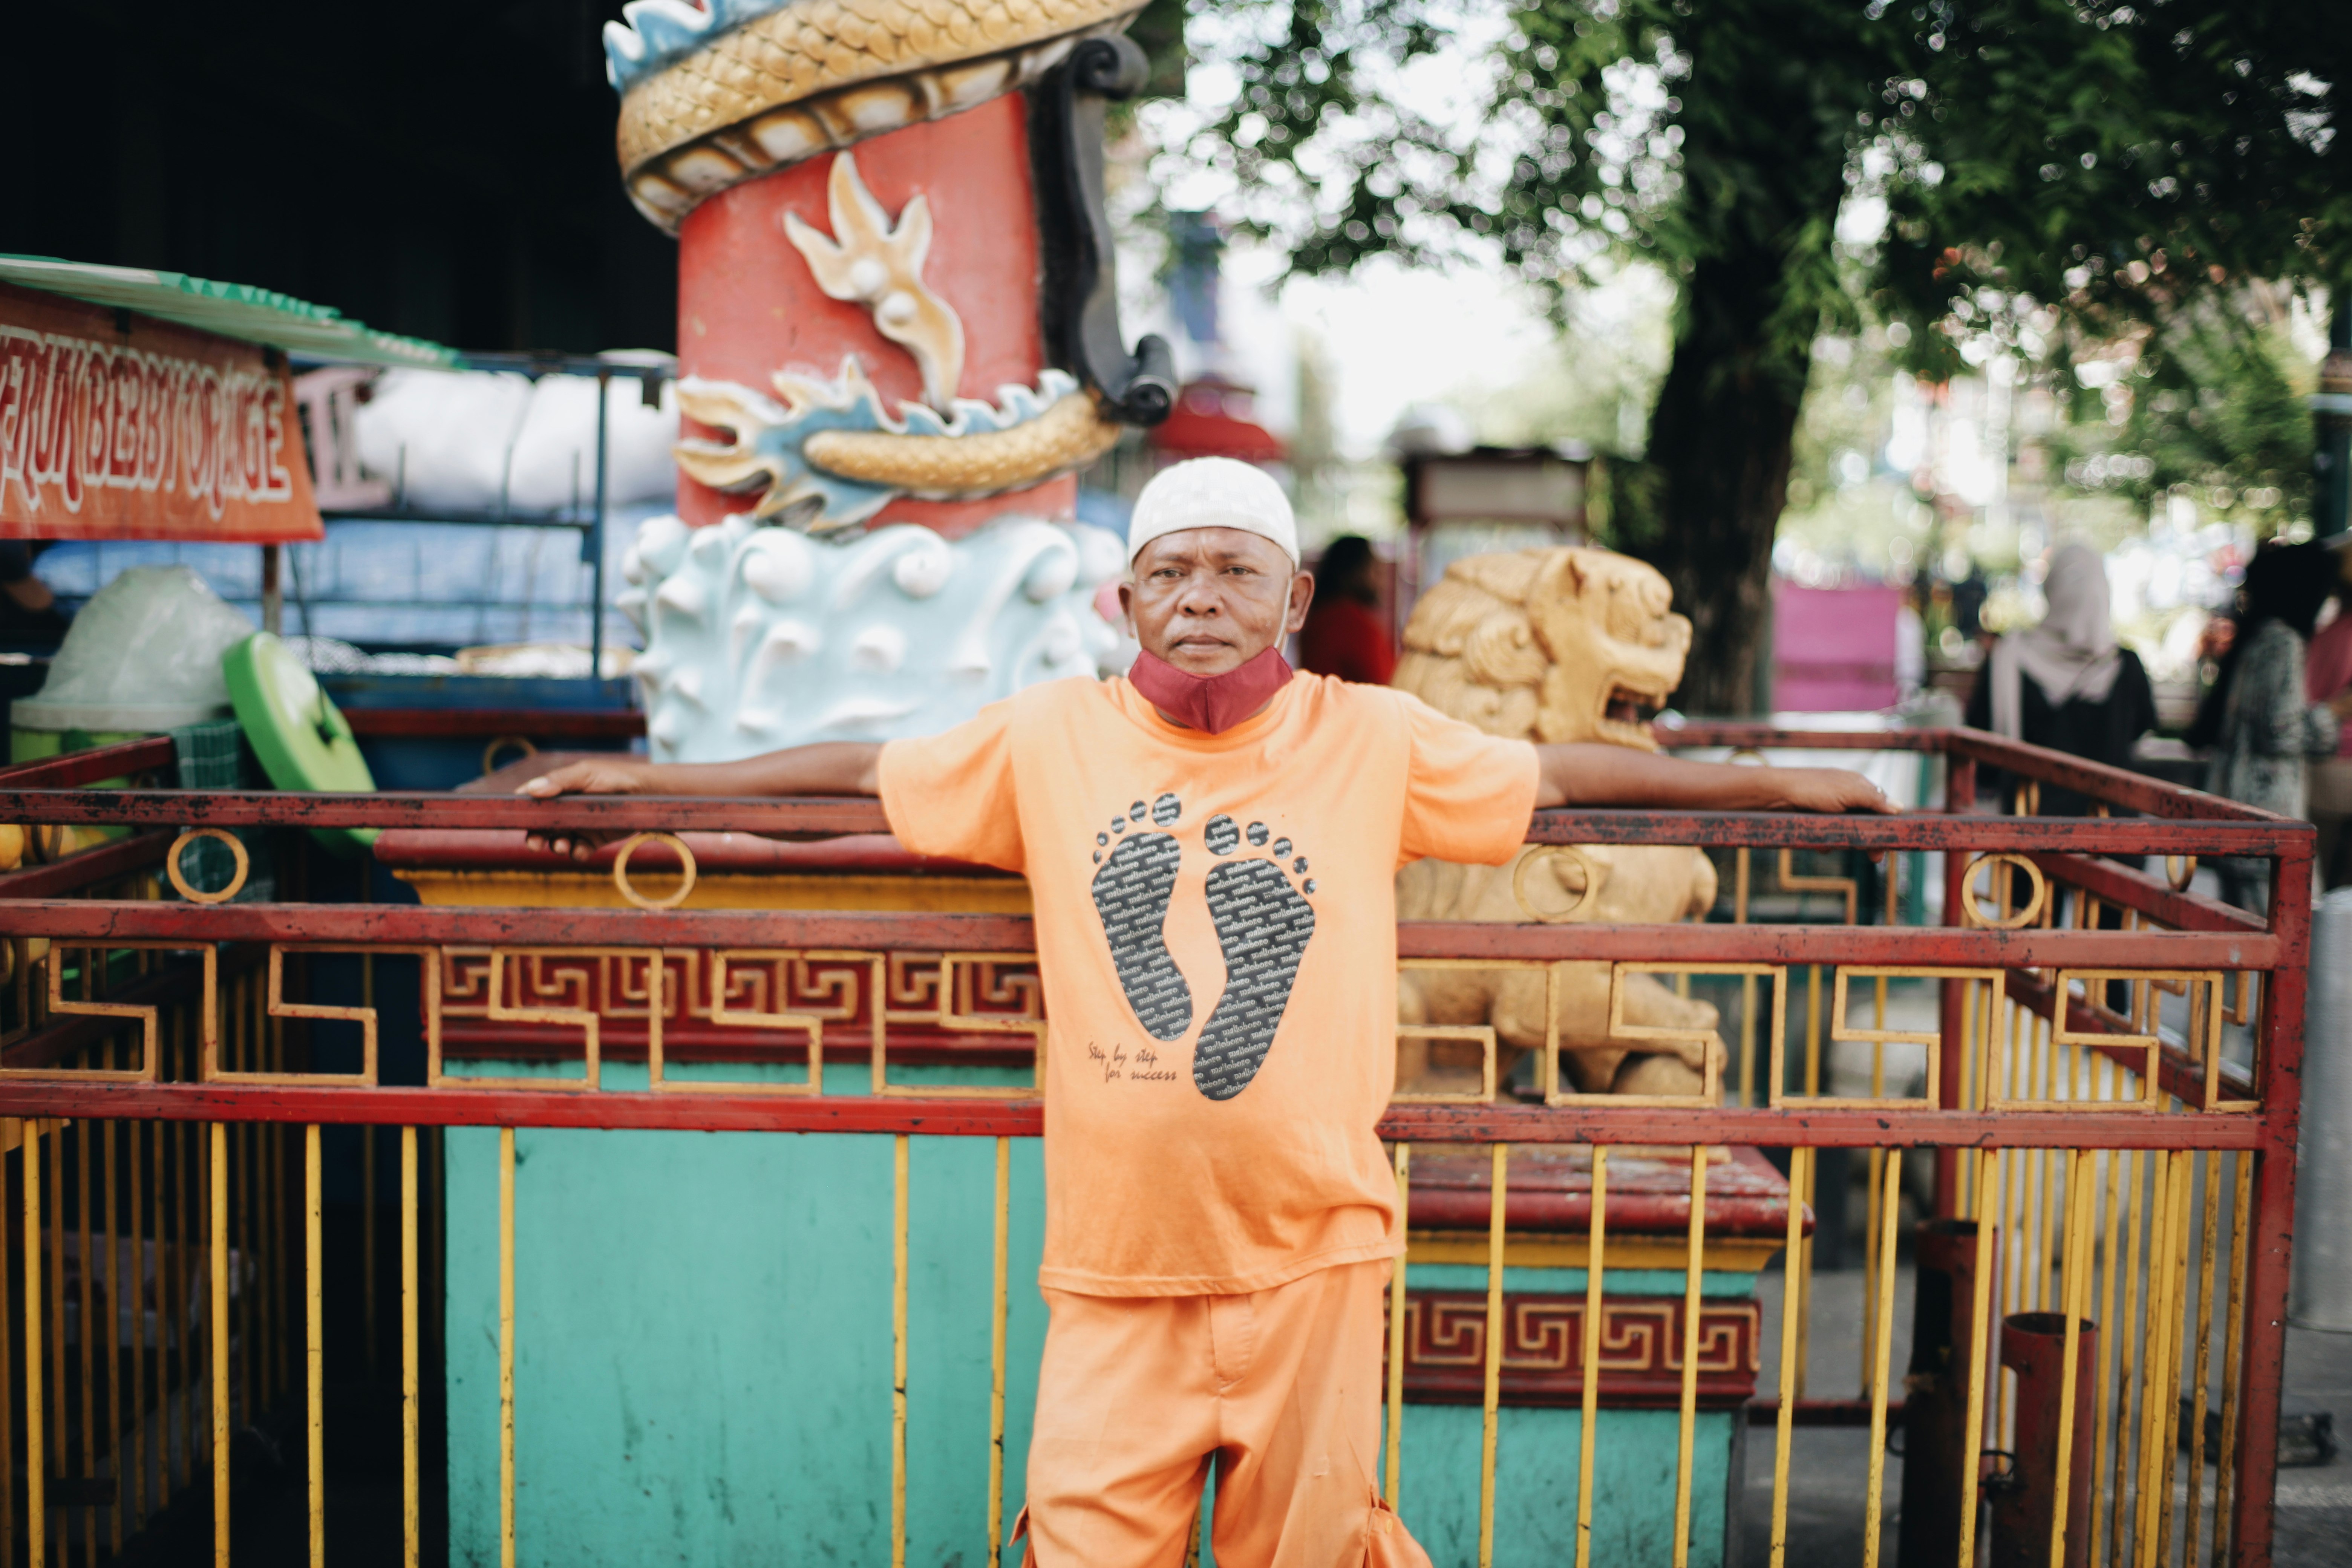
x=1548, y=645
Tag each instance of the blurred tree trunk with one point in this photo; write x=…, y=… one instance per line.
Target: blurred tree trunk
x=1720, y=439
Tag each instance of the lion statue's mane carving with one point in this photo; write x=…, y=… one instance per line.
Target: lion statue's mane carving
x=1554, y=645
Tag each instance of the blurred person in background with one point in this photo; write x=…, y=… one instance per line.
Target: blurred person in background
x=2066, y=683
x=2327, y=675
x=2259, y=720
x=1344, y=634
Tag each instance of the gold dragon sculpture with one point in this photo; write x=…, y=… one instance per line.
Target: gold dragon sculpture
x=1553, y=645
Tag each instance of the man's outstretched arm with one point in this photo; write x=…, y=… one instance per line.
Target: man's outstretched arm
x=831, y=767
x=1589, y=774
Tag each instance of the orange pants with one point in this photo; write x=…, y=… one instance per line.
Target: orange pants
x=1280, y=1388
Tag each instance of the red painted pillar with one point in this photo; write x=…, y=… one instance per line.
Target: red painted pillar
x=2033, y=1345
x=1937, y=1445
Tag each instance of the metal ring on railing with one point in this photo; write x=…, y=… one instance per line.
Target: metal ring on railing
x=2024, y=917
x=1519, y=882
x=179, y=883
x=2188, y=871
x=490, y=751
x=620, y=872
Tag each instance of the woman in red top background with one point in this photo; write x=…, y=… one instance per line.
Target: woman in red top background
x=1344, y=634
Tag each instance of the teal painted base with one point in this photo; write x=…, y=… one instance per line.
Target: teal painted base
x=1535, y=1458
x=703, y=1363
x=702, y=1345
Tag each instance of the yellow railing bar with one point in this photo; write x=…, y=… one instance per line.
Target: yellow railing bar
x=2155, y=1418
x=1392, y=1475
x=1746, y=984
x=367, y=1172
x=1878, y=1157
x=899, y=1356
x=2184, y=1164
x=1971, y=1197
x=2184, y=1237
x=1979, y=1338
x=2046, y=1051
x=239, y=1169
x=1693, y=1276
x=1000, y=1295
x=1785, y=1427
x=367, y=1249
x=2203, y=1273
x=2008, y=1196
x=217, y=1192
x=1812, y=1028
x=89, y=1334
x=506, y=1348
x=2102, y=1384
x=177, y=1305
x=276, y=1341
x=138, y=1296
x=114, y=1241
x=2127, y=1354
x=411, y=1516
x=2032, y=1273
x=1804, y=1297
x=1493, y=1359
x=2076, y=1278
x=315, y=1341
x=57, y=1238
x=12, y=1133
x=1882, y=1352
x=1596, y=1250
x=36, y=1461
x=2225, y=1543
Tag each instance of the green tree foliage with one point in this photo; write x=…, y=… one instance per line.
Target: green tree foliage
x=2120, y=165
x=2215, y=410
x=2056, y=172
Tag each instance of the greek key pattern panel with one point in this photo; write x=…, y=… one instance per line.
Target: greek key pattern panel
x=1543, y=1349
x=930, y=1000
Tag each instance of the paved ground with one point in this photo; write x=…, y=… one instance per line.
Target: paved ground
x=1829, y=1466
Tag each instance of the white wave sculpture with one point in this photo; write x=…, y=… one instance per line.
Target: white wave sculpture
x=758, y=637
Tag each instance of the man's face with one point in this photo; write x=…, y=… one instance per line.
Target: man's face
x=1208, y=600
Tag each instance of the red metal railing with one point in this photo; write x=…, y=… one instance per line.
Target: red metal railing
x=2207, y=1107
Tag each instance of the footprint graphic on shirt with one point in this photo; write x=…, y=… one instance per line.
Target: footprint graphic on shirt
x=1263, y=924
x=1131, y=892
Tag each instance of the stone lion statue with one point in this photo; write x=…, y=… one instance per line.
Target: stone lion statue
x=1553, y=645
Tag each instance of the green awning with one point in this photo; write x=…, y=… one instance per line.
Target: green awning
x=230, y=310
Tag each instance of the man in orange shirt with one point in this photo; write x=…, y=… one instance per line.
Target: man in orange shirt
x=1210, y=845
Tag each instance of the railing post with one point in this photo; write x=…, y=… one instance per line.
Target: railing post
x=2280, y=1086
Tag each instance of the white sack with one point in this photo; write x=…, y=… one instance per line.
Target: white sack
x=557, y=445
x=443, y=436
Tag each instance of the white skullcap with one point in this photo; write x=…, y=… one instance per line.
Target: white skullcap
x=1213, y=492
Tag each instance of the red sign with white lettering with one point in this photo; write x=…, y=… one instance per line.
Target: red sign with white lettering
x=117, y=426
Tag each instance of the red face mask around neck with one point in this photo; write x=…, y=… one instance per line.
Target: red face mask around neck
x=1210, y=703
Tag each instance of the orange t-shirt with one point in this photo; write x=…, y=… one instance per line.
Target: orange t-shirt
x=1216, y=929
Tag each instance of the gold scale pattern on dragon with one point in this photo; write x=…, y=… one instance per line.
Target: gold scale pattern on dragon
x=818, y=74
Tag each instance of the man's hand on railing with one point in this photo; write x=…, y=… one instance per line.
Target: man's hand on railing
x=1587, y=773
x=833, y=767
